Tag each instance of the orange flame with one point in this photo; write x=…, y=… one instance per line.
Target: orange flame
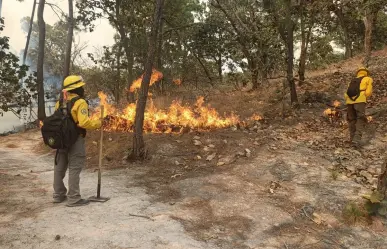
x=177, y=82
x=256, y=117
x=336, y=103
x=175, y=119
x=156, y=76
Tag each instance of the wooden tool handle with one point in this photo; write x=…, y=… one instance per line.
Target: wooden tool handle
x=100, y=155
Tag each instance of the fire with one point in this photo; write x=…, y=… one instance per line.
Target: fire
x=336, y=103
x=176, y=118
x=369, y=119
x=177, y=82
x=330, y=112
x=40, y=124
x=256, y=117
x=156, y=76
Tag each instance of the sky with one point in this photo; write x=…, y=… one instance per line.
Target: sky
x=13, y=11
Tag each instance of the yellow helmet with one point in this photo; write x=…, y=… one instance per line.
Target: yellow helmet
x=72, y=82
x=363, y=69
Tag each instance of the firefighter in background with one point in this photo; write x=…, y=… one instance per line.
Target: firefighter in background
x=74, y=158
x=356, y=96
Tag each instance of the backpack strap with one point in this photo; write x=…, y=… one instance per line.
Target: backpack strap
x=71, y=104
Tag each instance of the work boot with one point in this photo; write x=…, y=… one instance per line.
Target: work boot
x=81, y=202
x=59, y=199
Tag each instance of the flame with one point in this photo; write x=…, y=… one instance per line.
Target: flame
x=156, y=76
x=256, y=117
x=40, y=124
x=329, y=112
x=177, y=82
x=369, y=119
x=175, y=119
x=336, y=103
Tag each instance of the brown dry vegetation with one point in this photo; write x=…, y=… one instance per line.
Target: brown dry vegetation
x=293, y=186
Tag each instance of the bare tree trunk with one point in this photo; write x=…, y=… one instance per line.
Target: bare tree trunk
x=69, y=41
x=305, y=38
x=347, y=43
x=254, y=79
x=29, y=32
x=160, y=55
x=220, y=72
x=369, y=19
x=208, y=74
x=139, y=151
x=1, y=6
x=118, y=90
x=382, y=180
x=42, y=40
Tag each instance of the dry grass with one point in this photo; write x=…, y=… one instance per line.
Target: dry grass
x=354, y=213
x=12, y=146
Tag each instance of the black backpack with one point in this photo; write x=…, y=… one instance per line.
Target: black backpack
x=59, y=130
x=353, y=90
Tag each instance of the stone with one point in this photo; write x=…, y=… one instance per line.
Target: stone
x=367, y=175
x=197, y=143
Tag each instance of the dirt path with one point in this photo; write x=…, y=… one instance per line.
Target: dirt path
x=29, y=220
x=269, y=201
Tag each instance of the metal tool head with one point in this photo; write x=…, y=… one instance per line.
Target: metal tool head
x=98, y=199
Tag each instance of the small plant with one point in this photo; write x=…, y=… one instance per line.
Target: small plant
x=354, y=213
x=335, y=174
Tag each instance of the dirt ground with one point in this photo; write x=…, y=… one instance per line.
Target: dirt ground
x=286, y=182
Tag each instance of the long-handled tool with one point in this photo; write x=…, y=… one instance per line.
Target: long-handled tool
x=98, y=198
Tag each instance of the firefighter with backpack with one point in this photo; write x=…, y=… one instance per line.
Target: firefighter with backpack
x=65, y=131
x=356, y=96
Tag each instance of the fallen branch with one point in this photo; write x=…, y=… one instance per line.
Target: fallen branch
x=141, y=216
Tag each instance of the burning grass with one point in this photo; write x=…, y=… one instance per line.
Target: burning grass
x=176, y=119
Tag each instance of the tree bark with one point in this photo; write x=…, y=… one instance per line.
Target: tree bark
x=347, y=43
x=69, y=41
x=369, y=19
x=40, y=80
x=117, y=88
x=160, y=55
x=305, y=38
x=288, y=37
x=382, y=180
x=29, y=32
x=139, y=151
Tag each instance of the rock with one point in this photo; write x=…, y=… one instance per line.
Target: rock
x=210, y=157
x=177, y=163
x=225, y=141
x=247, y=153
x=226, y=160
x=197, y=143
x=57, y=237
x=240, y=154
x=211, y=146
x=367, y=175
x=256, y=143
x=351, y=169
x=206, y=148
x=178, y=141
x=220, y=163
x=359, y=179
x=196, y=138
x=198, y=157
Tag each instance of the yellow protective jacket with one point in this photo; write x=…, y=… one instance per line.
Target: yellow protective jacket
x=365, y=88
x=80, y=114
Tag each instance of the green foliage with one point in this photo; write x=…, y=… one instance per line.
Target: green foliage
x=12, y=92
